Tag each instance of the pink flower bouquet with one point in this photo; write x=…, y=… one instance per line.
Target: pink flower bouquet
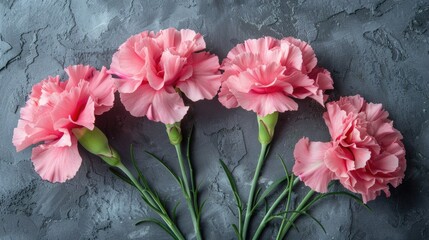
x=157, y=73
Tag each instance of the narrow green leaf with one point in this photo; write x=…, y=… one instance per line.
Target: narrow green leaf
x=194, y=187
x=154, y=207
x=202, y=205
x=188, y=156
x=317, y=221
x=165, y=166
x=289, y=195
x=237, y=233
x=175, y=210
x=324, y=195
x=284, y=165
x=258, y=191
x=268, y=190
x=279, y=214
x=238, y=201
x=287, y=220
x=231, y=182
x=159, y=223
x=121, y=176
x=140, y=175
x=182, y=187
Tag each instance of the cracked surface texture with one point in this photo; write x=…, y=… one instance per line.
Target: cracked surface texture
x=377, y=48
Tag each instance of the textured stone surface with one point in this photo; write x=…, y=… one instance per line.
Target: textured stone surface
x=379, y=49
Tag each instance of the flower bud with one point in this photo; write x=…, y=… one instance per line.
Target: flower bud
x=174, y=133
x=266, y=127
x=96, y=143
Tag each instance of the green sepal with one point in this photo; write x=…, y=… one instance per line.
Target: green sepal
x=95, y=142
x=266, y=127
x=174, y=133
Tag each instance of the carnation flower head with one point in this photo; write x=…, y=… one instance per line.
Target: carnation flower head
x=264, y=75
x=366, y=153
x=53, y=109
x=154, y=67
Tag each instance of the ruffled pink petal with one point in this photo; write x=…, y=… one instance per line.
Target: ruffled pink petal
x=302, y=85
x=206, y=79
x=235, y=51
x=172, y=65
x=77, y=73
x=339, y=161
x=76, y=108
x=385, y=163
x=168, y=38
x=126, y=63
x=184, y=42
x=396, y=148
x=322, y=78
x=154, y=74
x=310, y=166
x=65, y=140
x=138, y=102
x=323, y=81
x=264, y=104
x=25, y=135
x=49, y=85
x=260, y=46
x=241, y=83
x=127, y=85
x=351, y=104
x=86, y=117
x=309, y=59
x=292, y=56
x=241, y=63
x=101, y=85
x=374, y=112
x=102, y=90
x=226, y=97
x=264, y=76
x=361, y=156
x=167, y=107
x=194, y=42
x=148, y=47
x=56, y=164
x=50, y=89
x=334, y=117
x=159, y=106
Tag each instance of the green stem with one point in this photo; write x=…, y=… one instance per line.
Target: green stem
x=282, y=225
x=153, y=201
x=301, y=207
x=273, y=207
x=187, y=191
x=136, y=183
x=249, y=212
x=240, y=221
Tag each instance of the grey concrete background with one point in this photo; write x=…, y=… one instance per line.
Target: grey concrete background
x=378, y=49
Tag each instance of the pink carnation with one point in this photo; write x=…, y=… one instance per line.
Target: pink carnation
x=53, y=109
x=264, y=75
x=366, y=153
x=153, y=66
